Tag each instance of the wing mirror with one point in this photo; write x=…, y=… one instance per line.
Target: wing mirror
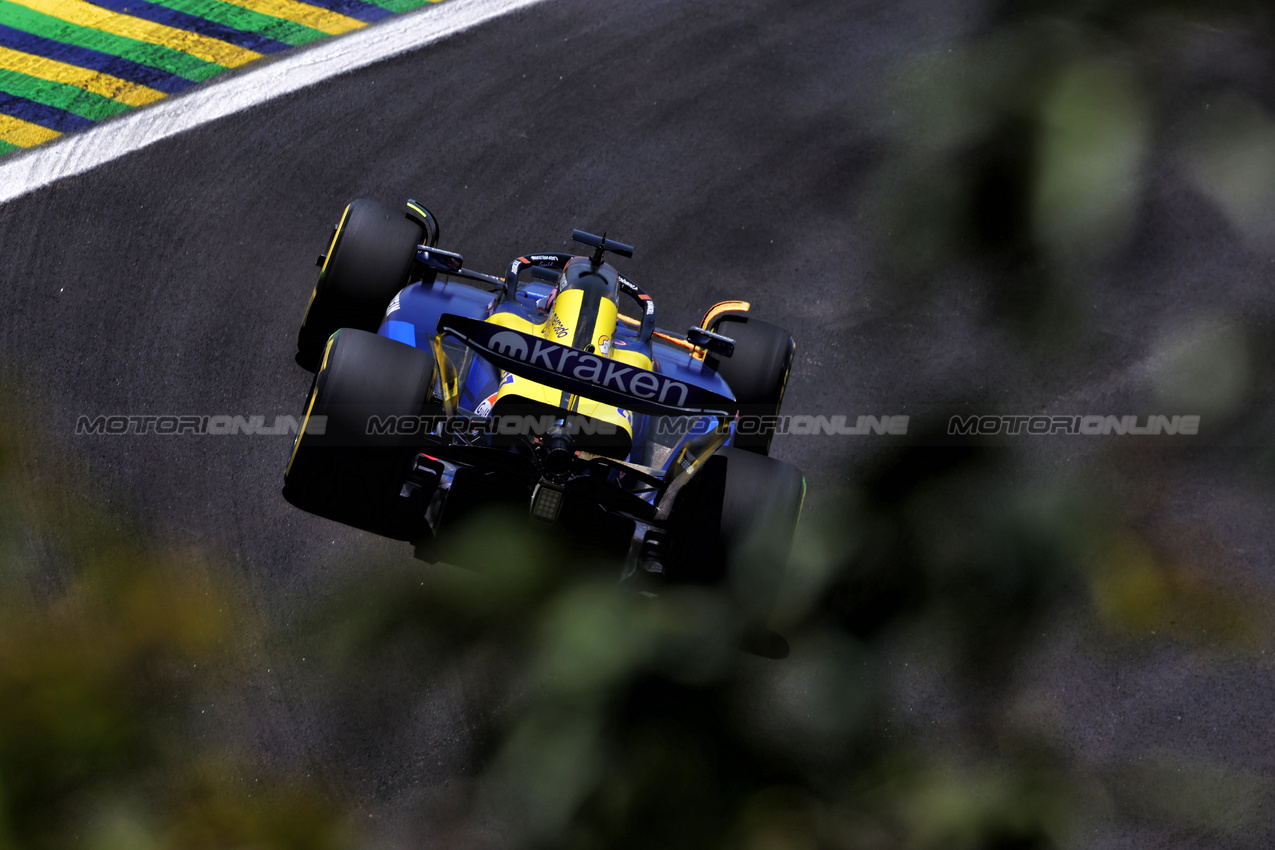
x=716, y=343
x=439, y=260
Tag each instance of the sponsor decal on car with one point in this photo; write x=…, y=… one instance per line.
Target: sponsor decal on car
x=485, y=406
x=510, y=343
x=558, y=328
x=580, y=372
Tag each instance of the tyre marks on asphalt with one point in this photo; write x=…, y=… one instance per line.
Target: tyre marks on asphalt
x=25, y=121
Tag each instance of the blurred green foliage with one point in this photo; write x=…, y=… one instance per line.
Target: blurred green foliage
x=1025, y=154
x=630, y=720
x=114, y=660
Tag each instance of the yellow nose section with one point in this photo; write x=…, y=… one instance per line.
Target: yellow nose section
x=580, y=325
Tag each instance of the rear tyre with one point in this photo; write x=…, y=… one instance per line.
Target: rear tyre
x=757, y=373
x=760, y=512
x=734, y=524
x=369, y=261
x=340, y=471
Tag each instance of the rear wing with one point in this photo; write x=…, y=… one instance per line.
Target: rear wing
x=581, y=373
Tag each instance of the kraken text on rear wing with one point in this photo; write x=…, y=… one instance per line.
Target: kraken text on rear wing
x=581, y=373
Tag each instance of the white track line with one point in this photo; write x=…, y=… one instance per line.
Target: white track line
x=76, y=153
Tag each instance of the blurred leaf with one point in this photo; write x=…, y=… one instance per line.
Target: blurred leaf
x=1232, y=159
x=1202, y=368
x=1137, y=592
x=1090, y=154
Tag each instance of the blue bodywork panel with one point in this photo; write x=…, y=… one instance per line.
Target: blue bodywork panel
x=412, y=318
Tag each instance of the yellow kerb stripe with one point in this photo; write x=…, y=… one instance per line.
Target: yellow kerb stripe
x=82, y=78
x=87, y=15
x=313, y=17
x=24, y=134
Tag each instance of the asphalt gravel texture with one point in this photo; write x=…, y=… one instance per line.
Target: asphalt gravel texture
x=732, y=143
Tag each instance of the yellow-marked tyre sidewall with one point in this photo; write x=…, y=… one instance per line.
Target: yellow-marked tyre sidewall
x=336, y=237
x=327, y=258
x=309, y=408
x=296, y=443
x=370, y=259
x=344, y=471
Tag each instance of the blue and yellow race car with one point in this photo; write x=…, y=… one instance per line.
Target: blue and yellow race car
x=439, y=390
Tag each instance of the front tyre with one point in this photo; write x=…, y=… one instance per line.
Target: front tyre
x=346, y=465
x=370, y=259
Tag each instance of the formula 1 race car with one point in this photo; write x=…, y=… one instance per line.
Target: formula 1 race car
x=439, y=390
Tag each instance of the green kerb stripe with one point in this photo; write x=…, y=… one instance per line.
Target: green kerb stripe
x=401, y=5
x=167, y=59
x=5, y=148
x=240, y=18
x=72, y=99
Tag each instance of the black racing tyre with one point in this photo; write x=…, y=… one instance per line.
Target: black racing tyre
x=368, y=262
x=734, y=523
x=338, y=469
x=760, y=512
x=757, y=373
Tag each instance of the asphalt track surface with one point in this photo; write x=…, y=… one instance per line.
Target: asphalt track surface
x=730, y=142
x=66, y=66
